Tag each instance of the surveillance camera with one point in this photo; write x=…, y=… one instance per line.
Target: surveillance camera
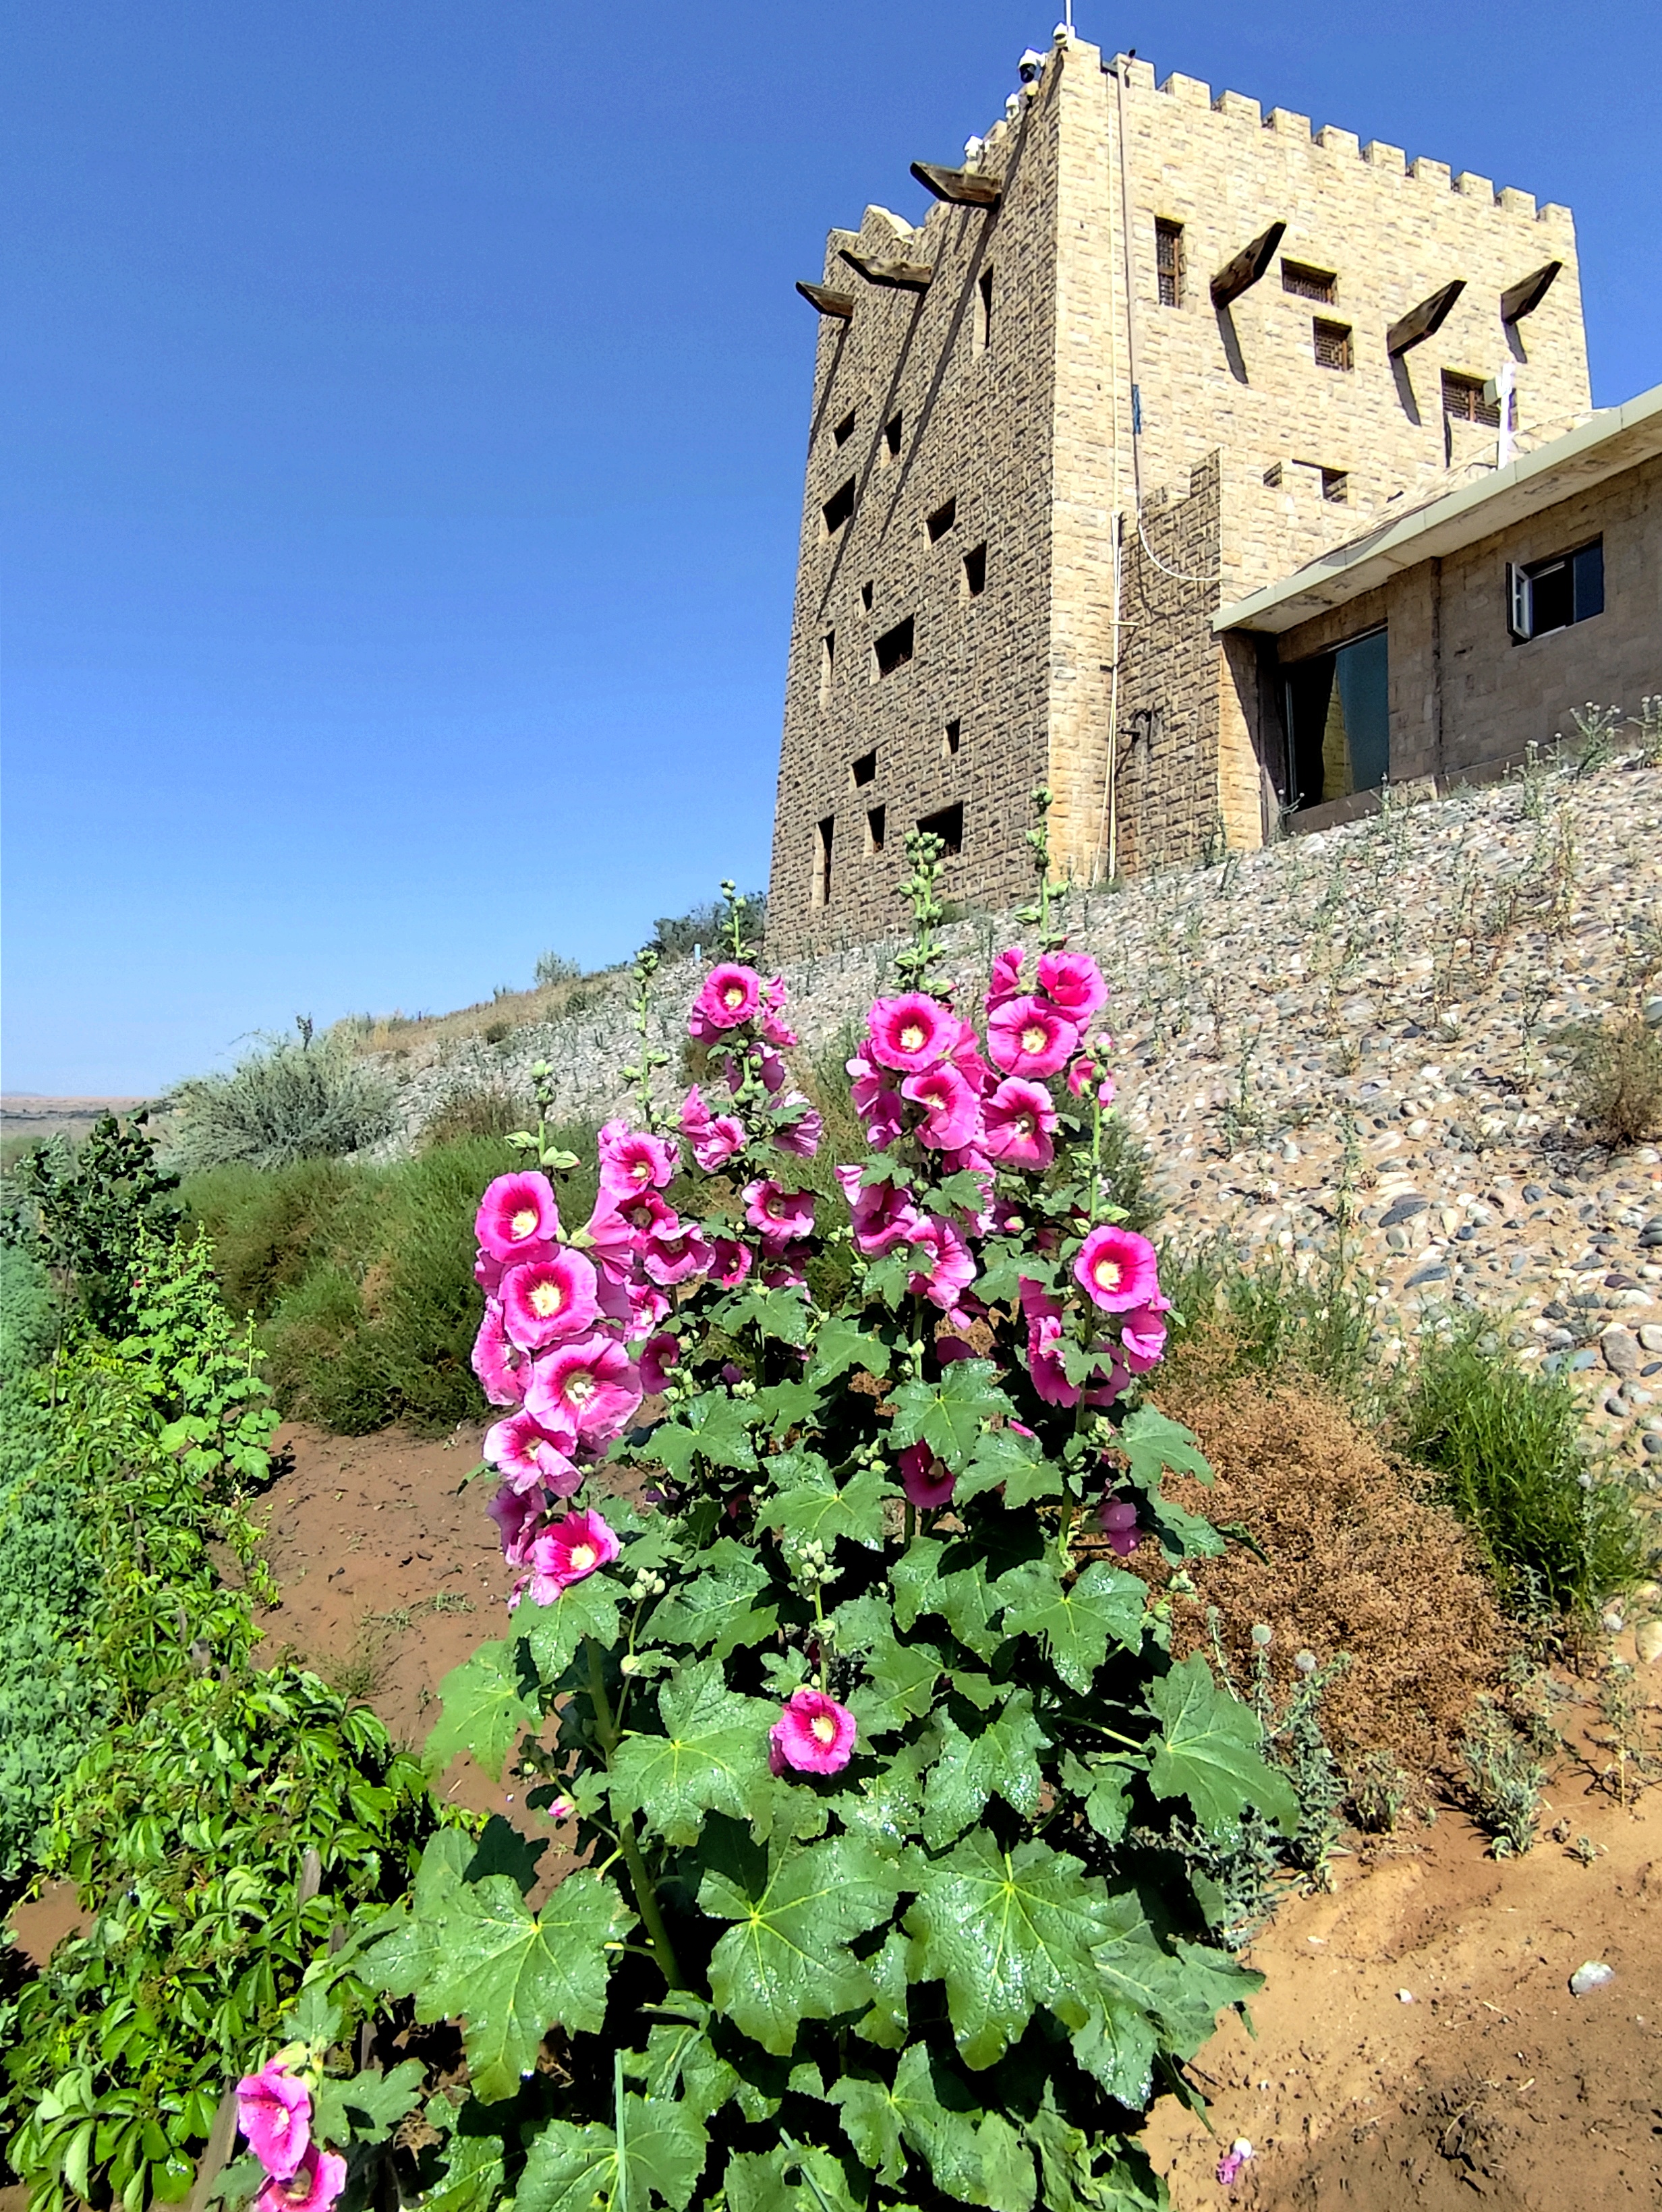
x=1030, y=65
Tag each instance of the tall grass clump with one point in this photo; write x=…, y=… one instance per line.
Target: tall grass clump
x=1505, y=1446
x=292, y=1098
x=1268, y=1319
x=1616, y=1087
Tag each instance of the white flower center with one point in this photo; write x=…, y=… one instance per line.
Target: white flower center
x=733, y=995
x=583, y=1557
x=912, y=1037
x=823, y=1728
x=1033, y=1038
x=546, y=1298
x=1024, y=1125
x=580, y=1387
x=1108, y=1273
x=524, y=1222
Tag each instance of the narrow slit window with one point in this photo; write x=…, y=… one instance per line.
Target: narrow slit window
x=892, y=438
x=894, y=648
x=1272, y=476
x=949, y=739
x=867, y=592
x=1467, y=400
x=947, y=824
x=1548, y=595
x=1168, y=262
x=824, y=832
x=1307, y=283
x=942, y=520
x=1332, y=345
x=838, y=507
x=845, y=430
x=983, y=311
x=864, y=770
x=874, y=830
x=827, y=664
x=975, y=572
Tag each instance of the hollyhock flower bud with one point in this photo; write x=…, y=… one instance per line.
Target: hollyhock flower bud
x=731, y=994
x=949, y=1105
x=911, y=1032
x=312, y=2186
x=1005, y=983
x=274, y=2110
x=1116, y=1269
x=814, y=1734
x=941, y=1265
x=1118, y=1521
x=1072, y=984
x=731, y=1261
x=1028, y=1037
x=502, y=1368
x=586, y=1391
x=1105, y=1091
x=928, y=1481
x=660, y=1357
x=1081, y=1074
x=672, y=1255
x=631, y=1161
x=528, y=1458
x=781, y=1215
x=517, y=1211
x=546, y=1301
x=1018, y=1121
x=518, y=1515
x=559, y=1809
x=568, y=1552
x=884, y=1215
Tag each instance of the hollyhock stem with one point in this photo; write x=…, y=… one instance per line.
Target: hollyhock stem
x=910, y=1528
x=645, y=1897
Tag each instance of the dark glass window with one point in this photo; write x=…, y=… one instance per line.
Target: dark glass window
x=1548, y=595
x=1338, y=721
x=1168, y=262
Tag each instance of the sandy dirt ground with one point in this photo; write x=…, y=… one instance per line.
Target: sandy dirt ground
x=1493, y=2084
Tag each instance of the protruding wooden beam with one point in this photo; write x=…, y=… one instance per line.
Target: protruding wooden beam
x=895, y=276
x=1241, y=274
x=840, y=304
x=1419, y=322
x=1524, y=297
x=959, y=187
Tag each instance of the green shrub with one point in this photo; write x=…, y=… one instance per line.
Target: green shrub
x=487, y=1110
x=1618, y=1085
x=1268, y=1319
x=28, y=1315
x=1557, y=1537
x=291, y=1099
x=82, y=1213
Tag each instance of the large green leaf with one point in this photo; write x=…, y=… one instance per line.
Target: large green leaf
x=1006, y=1458
x=714, y=1428
x=556, y=1632
x=487, y=1703
x=927, y=2108
x=797, y=1909
x=1007, y=1932
x=706, y=1609
x=1078, y=1620
x=901, y=1680
x=808, y=1504
x=712, y=1757
x=403, y=1958
x=1152, y=1445
x=1208, y=1752
x=786, y=1405
x=968, y=1769
x=842, y=1343
x=948, y=1414
x=780, y=1314
x=1104, y=1785
x=368, y=2107
x=960, y=1595
x=512, y=1974
x=567, y=2167
x=1134, y=1979
x=791, y=2177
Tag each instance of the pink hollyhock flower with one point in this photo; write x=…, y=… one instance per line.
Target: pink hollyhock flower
x=516, y=1211
x=1005, y=982
x=1142, y=1334
x=632, y=1161
x=518, y=1515
x=647, y=1307
x=1072, y=984
x=1045, y=1337
x=911, y=1032
x=671, y=1256
x=730, y=996
x=1027, y=1037
x=1116, y=1269
x=546, y=1300
x=950, y=1103
x=610, y=1240
x=715, y=1144
x=527, y=1457
x=785, y=1268
x=587, y=1391
x=966, y=1057
x=814, y=1734
x=774, y=1028
x=502, y=1368
x=950, y=1269
x=876, y=1099
x=568, y=1552
x=800, y=1137
x=781, y=1215
x=884, y=1215
x=274, y=2110
x=731, y=1263
x=645, y=1216
x=312, y=2186
x=1019, y=1119
x=928, y=1481
x=947, y=1349
x=1081, y=1074
x=660, y=1357
x=1118, y=1521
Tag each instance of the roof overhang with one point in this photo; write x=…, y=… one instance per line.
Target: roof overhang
x=1614, y=439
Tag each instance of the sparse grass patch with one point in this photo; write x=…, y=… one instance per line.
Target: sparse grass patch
x=1616, y=1087
x=293, y=1098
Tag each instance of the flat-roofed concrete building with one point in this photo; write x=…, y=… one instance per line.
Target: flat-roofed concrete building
x=1152, y=352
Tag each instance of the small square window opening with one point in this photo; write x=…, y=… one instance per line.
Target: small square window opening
x=947, y=824
x=838, y=509
x=1307, y=283
x=975, y=572
x=864, y=770
x=894, y=649
x=949, y=738
x=1465, y=401
x=941, y=520
x=1335, y=487
x=1168, y=262
x=874, y=830
x=845, y=430
x=1332, y=345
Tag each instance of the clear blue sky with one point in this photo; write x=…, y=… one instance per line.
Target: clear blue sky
x=402, y=407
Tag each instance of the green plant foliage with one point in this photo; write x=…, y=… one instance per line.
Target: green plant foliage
x=28, y=1315
x=292, y=1098
x=1616, y=1086
x=83, y=1213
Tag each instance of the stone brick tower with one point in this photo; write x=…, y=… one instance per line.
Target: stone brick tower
x=1150, y=350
